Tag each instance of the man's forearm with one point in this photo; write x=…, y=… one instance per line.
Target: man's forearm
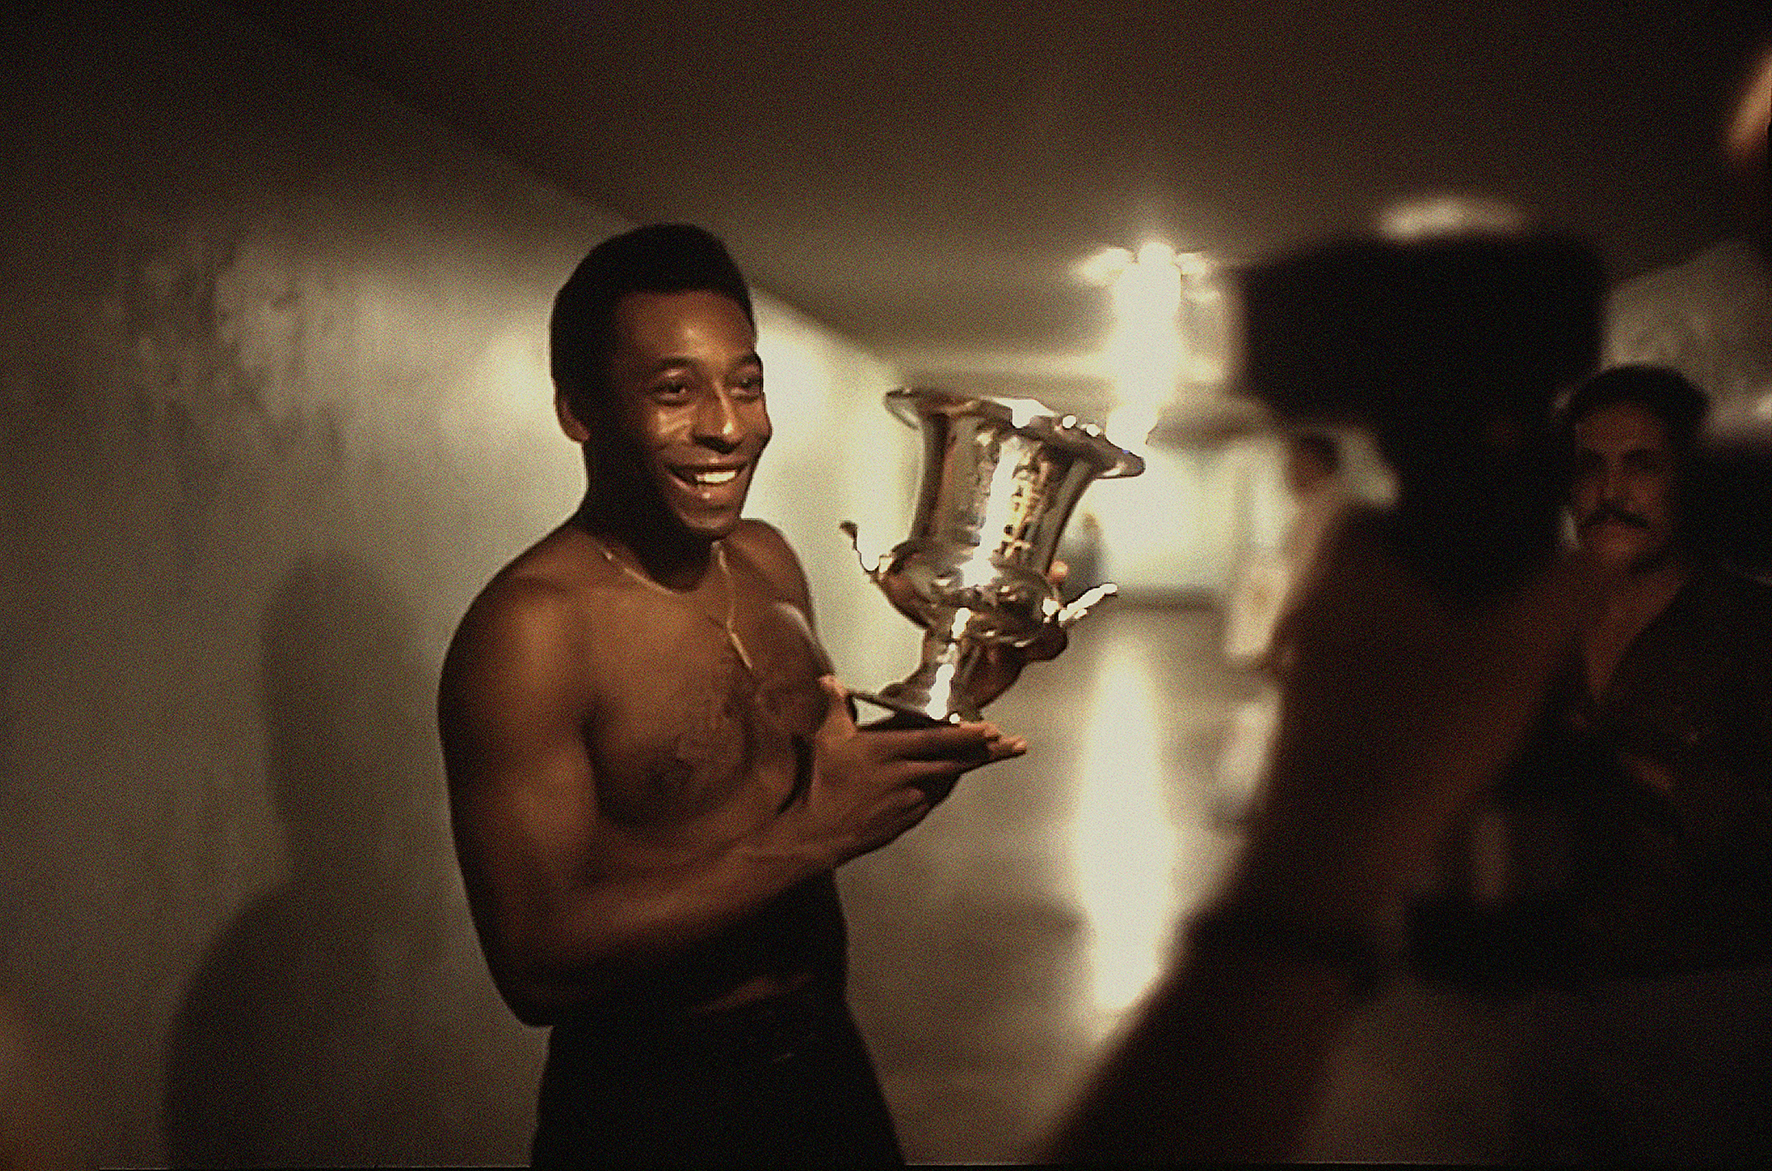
x=608, y=931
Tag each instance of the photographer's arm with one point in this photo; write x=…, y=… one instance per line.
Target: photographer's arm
x=1396, y=708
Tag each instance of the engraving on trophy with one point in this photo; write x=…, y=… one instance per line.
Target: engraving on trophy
x=1000, y=479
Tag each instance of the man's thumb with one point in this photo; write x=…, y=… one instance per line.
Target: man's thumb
x=839, y=716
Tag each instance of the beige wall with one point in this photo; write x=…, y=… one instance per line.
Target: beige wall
x=275, y=404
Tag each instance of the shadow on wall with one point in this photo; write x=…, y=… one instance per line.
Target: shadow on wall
x=309, y=1035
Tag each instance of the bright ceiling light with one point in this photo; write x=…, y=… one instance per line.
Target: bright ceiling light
x=1103, y=267
x=1429, y=216
x=1167, y=327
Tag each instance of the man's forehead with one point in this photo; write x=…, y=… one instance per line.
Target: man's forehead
x=1622, y=425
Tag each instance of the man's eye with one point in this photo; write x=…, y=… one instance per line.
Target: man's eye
x=670, y=391
x=750, y=386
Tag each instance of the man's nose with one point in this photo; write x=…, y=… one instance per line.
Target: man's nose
x=716, y=420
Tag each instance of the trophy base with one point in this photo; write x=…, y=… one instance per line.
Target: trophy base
x=923, y=711
x=940, y=689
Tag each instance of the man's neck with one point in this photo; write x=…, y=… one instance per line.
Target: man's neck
x=1633, y=598
x=654, y=548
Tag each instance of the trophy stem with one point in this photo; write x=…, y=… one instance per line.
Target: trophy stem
x=941, y=688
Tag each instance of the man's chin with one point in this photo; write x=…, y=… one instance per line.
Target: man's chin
x=704, y=520
x=709, y=515
x=711, y=528
x=1626, y=557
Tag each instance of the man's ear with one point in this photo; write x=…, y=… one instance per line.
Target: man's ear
x=569, y=420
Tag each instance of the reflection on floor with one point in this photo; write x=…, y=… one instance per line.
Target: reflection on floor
x=996, y=947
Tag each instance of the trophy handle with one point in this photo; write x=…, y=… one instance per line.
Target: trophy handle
x=869, y=565
x=1085, y=601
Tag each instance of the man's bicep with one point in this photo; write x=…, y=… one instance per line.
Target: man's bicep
x=522, y=789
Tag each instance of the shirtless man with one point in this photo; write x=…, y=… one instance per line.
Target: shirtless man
x=653, y=773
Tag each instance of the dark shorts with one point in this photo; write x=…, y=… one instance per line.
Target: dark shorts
x=783, y=1081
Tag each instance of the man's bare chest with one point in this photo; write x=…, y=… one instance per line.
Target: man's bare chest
x=697, y=715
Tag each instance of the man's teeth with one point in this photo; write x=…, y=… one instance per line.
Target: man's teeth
x=711, y=478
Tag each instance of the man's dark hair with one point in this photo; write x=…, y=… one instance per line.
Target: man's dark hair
x=1664, y=393
x=658, y=258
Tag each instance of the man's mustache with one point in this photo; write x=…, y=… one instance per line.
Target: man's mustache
x=1606, y=512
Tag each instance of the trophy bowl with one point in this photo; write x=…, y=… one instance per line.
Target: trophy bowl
x=1000, y=478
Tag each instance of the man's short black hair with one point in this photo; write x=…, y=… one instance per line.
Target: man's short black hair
x=1666, y=394
x=658, y=258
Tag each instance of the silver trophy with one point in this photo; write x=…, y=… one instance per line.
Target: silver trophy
x=1000, y=479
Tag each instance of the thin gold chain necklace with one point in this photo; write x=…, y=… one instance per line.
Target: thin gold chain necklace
x=731, y=594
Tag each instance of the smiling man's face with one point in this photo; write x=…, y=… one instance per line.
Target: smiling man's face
x=686, y=388
x=1624, y=498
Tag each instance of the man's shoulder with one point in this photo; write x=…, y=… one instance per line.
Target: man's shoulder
x=1729, y=610
x=562, y=568
x=762, y=547
x=756, y=538
x=541, y=599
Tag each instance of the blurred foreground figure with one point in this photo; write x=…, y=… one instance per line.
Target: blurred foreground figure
x=652, y=773
x=1649, y=1044
x=1311, y=470
x=1313, y=476
x=1412, y=668
x=1266, y=588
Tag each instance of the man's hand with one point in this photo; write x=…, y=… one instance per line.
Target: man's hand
x=1002, y=665
x=869, y=785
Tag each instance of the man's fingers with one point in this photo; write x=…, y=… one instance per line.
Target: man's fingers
x=1013, y=746
x=942, y=742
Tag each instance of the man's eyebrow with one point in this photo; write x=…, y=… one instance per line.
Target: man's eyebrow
x=669, y=363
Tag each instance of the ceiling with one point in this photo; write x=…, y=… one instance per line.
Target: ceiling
x=926, y=176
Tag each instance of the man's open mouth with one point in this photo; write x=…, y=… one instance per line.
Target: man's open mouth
x=706, y=477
